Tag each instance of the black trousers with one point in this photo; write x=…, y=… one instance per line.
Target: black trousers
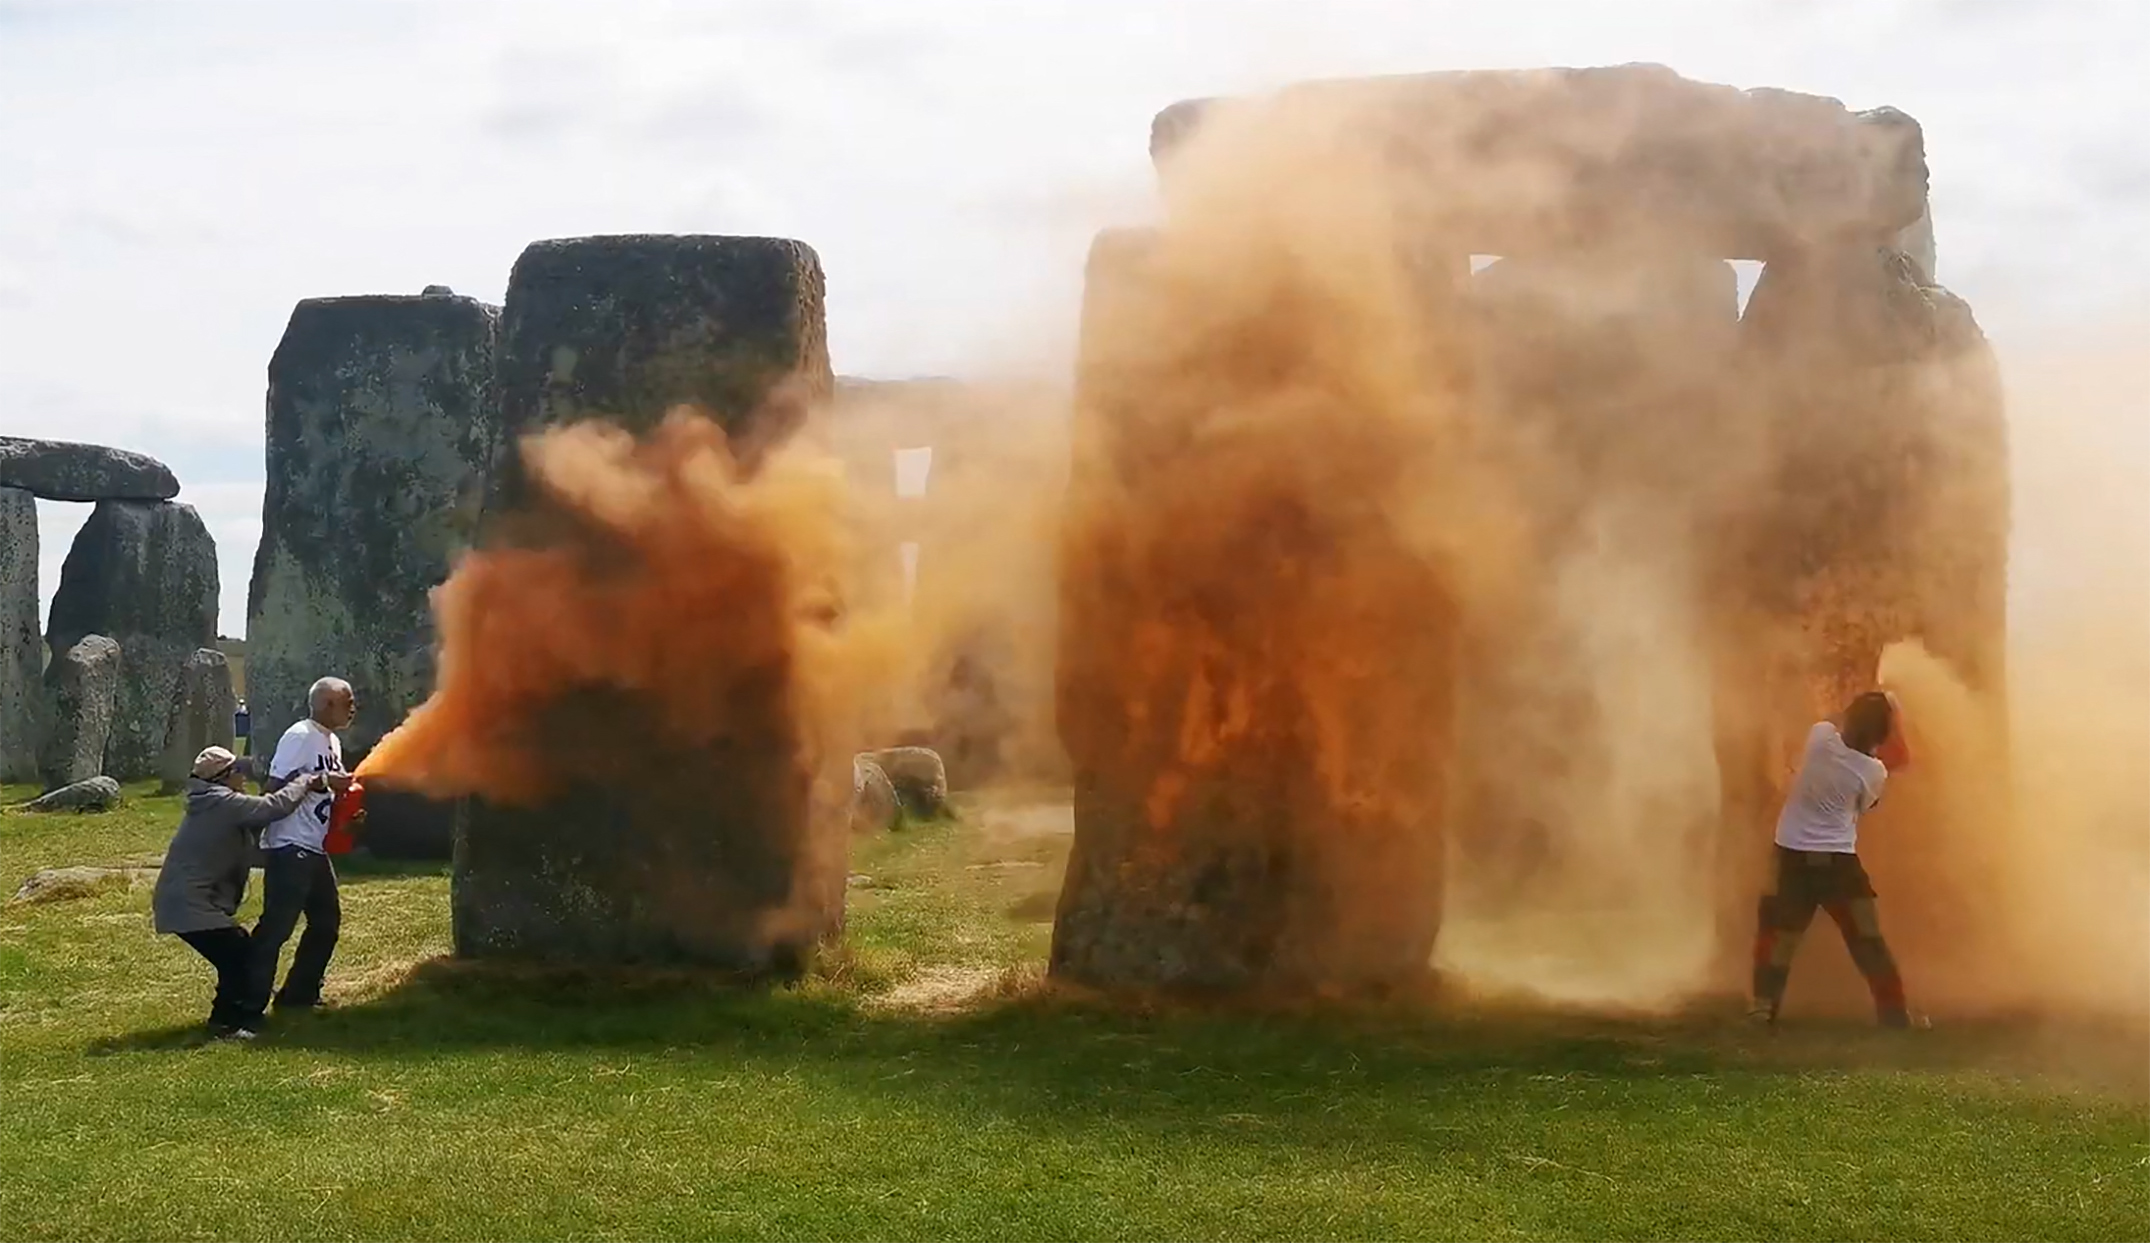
x=230, y=951
x=1836, y=883
x=294, y=882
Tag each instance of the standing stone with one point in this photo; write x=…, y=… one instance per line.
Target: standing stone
x=81, y=687
x=21, y=660
x=60, y=471
x=202, y=711
x=1253, y=682
x=1884, y=405
x=144, y=574
x=730, y=854
x=381, y=426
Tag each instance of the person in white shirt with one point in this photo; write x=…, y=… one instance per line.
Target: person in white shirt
x=1817, y=860
x=297, y=878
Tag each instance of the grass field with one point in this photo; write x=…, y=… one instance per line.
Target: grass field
x=923, y=1085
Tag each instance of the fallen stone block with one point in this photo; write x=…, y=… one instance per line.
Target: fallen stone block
x=919, y=779
x=91, y=794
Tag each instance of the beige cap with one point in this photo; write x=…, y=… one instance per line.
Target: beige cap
x=213, y=762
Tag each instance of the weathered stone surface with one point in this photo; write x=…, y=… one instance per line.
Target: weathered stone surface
x=201, y=716
x=21, y=647
x=873, y=797
x=1258, y=800
x=920, y=780
x=81, y=691
x=145, y=575
x=89, y=794
x=624, y=328
x=1526, y=161
x=381, y=427
x=61, y=471
x=729, y=853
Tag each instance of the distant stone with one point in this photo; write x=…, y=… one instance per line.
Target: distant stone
x=202, y=708
x=873, y=797
x=58, y=470
x=21, y=645
x=144, y=574
x=81, y=687
x=66, y=884
x=439, y=291
x=92, y=794
x=380, y=434
x=920, y=779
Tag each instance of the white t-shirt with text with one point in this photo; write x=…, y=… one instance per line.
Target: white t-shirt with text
x=1835, y=786
x=307, y=747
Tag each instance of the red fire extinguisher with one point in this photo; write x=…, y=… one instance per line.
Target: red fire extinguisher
x=343, y=812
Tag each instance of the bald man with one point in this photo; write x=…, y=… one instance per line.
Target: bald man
x=297, y=878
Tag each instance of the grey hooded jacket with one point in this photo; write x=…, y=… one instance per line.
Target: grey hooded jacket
x=204, y=874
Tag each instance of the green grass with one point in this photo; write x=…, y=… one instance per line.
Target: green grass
x=923, y=1086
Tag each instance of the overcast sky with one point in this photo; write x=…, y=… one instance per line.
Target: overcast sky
x=174, y=175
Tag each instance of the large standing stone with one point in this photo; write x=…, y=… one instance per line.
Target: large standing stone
x=1253, y=677
x=144, y=574
x=61, y=471
x=202, y=709
x=381, y=428
x=1889, y=442
x=21, y=657
x=730, y=854
x=81, y=687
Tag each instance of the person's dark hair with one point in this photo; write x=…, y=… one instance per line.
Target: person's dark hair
x=1867, y=721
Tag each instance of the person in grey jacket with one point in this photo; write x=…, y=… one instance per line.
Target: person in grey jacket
x=204, y=876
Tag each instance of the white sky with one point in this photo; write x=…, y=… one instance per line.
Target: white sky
x=174, y=175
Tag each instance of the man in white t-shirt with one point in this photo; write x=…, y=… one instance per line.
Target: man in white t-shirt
x=1817, y=860
x=297, y=878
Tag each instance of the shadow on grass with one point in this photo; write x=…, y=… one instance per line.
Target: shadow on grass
x=1083, y=1053
x=153, y=1040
